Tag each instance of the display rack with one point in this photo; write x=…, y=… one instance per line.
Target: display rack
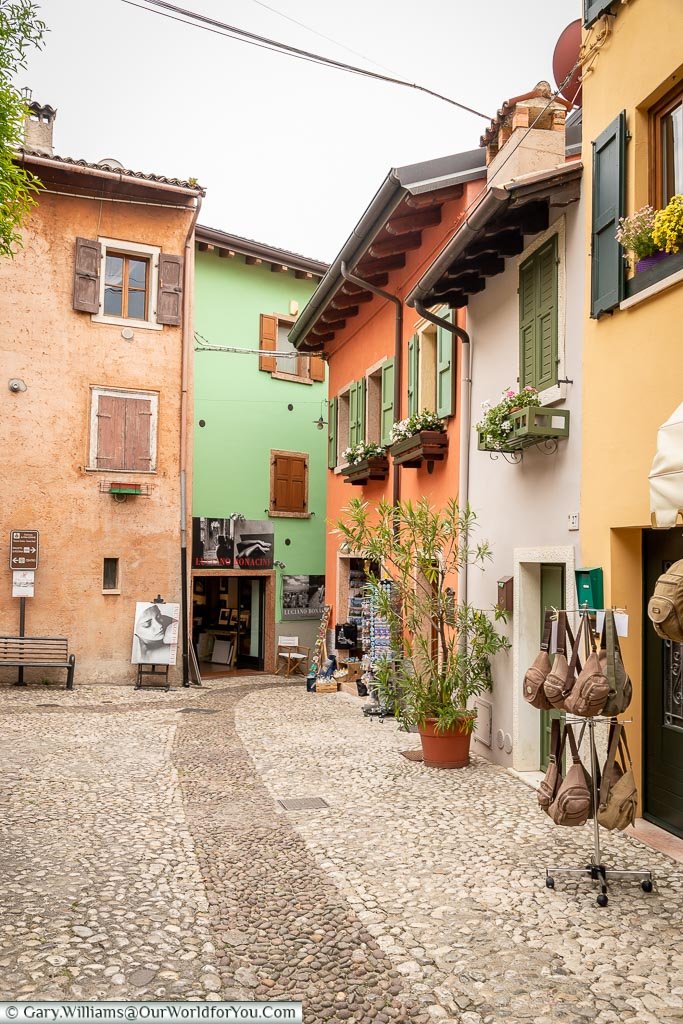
x=375, y=631
x=596, y=870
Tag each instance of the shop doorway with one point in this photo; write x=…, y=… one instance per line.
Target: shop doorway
x=552, y=596
x=662, y=697
x=228, y=622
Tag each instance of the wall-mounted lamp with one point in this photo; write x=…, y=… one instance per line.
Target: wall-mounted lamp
x=321, y=422
x=279, y=564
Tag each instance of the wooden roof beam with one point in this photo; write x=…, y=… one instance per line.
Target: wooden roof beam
x=303, y=275
x=332, y=325
x=341, y=309
x=507, y=243
x=369, y=267
x=395, y=246
x=455, y=299
x=342, y=301
x=226, y=254
x=423, y=199
x=253, y=261
x=415, y=221
x=278, y=268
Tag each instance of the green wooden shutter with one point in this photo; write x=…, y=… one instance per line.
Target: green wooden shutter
x=360, y=409
x=607, y=265
x=332, y=433
x=592, y=9
x=445, y=365
x=538, y=318
x=387, y=401
x=413, y=373
x=353, y=414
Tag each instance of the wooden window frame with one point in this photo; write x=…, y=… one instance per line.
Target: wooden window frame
x=126, y=289
x=302, y=360
x=134, y=250
x=373, y=403
x=149, y=396
x=656, y=114
x=276, y=514
x=117, y=588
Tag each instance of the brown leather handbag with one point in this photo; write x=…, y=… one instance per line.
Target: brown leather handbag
x=573, y=803
x=536, y=676
x=591, y=689
x=547, y=791
x=559, y=680
x=612, y=665
x=618, y=793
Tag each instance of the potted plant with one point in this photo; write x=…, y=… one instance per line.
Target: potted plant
x=365, y=461
x=636, y=235
x=443, y=650
x=667, y=232
x=419, y=438
x=496, y=427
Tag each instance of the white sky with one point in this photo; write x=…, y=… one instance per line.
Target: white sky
x=290, y=153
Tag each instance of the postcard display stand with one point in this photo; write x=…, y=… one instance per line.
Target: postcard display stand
x=320, y=647
x=375, y=633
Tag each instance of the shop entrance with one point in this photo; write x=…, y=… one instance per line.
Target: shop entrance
x=662, y=697
x=228, y=622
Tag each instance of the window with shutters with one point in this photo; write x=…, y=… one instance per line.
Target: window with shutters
x=289, y=484
x=373, y=418
x=123, y=431
x=285, y=363
x=128, y=283
x=538, y=317
x=431, y=369
x=666, y=148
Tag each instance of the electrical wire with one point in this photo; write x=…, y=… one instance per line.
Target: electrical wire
x=221, y=28
x=204, y=345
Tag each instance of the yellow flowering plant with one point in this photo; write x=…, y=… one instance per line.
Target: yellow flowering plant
x=667, y=232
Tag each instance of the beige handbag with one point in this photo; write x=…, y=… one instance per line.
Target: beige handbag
x=559, y=680
x=591, y=689
x=618, y=793
x=547, y=791
x=612, y=665
x=573, y=803
x=536, y=676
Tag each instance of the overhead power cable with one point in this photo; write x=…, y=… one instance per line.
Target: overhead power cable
x=207, y=24
x=204, y=345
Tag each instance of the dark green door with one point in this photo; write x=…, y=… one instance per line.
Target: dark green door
x=662, y=698
x=552, y=596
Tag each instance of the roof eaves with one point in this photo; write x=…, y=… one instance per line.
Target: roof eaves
x=121, y=174
x=250, y=247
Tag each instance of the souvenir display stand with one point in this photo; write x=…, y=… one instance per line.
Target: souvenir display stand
x=596, y=870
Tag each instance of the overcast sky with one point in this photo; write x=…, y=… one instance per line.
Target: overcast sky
x=290, y=153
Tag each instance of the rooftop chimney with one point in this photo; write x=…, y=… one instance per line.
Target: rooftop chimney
x=38, y=126
x=511, y=141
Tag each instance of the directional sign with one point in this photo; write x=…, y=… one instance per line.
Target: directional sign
x=23, y=549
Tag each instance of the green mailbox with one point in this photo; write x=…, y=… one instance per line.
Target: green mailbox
x=589, y=588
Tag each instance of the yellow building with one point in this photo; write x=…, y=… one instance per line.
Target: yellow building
x=633, y=369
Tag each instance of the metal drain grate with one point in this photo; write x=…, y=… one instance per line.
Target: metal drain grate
x=309, y=803
x=196, y=711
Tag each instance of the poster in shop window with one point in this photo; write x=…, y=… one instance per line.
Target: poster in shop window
x=303, y=597
x=232, y=543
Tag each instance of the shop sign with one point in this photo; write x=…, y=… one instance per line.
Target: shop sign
x=232, y=543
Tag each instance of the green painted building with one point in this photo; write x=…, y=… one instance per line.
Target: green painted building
x=260, y=455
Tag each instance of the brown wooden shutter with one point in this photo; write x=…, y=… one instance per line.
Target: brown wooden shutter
x=289, y=484
x=138, y=434
x=317, y=368
x=170, y=290
x=267, y=340
x=111, y=432
x=87, y=275
x=297, y=484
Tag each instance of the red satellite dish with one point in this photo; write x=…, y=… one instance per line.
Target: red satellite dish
x=564, y=58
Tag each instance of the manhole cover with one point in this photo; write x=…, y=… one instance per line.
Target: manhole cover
x=304, y=804
x=196, y=711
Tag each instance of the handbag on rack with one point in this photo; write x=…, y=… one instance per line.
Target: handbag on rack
x=573, y=803
x=547, y=790
x=618, y=793
x=665, y=607
x=611, y=662
x=537, y=674
x=559, y=680
x=591, y=689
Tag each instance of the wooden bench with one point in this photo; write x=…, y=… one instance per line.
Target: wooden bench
x=38, y=652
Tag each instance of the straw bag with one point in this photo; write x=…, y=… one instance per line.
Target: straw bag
x=620, y=686
x=618, y=793
x=536, y=676
x=573, y=803
x=547, y=791
x=591, y=689
x=559, y=680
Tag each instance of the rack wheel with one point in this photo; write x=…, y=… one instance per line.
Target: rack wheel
x=550, y=883
x=646, y=885
x=602, y=900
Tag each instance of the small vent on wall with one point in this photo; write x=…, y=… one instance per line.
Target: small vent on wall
x=483, y=731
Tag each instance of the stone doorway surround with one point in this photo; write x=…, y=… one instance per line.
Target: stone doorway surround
x=526, y=731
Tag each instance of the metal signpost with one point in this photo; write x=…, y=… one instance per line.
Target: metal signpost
x=23, y=561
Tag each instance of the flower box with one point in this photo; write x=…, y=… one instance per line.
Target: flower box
x=125, y=488
x=427, y=446
x=531, y=426
x=375, y=467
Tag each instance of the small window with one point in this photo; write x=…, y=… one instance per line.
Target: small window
x=374, y=413
x=123, y=428
x=426, y=389
x=288, y=359
x=110, y=574
x=285, y=362
x=666, y=141
x=343, y=420
x=288, y=484
x=126, y=286
x=130, y=284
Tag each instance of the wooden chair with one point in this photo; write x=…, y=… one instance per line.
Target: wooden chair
x=291, y=656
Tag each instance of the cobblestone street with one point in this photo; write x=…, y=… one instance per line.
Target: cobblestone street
x=144, y=855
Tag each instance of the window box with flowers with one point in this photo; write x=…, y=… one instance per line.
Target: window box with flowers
x=365, y=461
x=419, y=439
x=653, y=240
x=518, y=421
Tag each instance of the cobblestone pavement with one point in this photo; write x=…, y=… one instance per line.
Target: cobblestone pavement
x=144, y=855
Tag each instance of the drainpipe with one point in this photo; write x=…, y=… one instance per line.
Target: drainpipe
x=398, y=357
x=465, y=421
x=188, y=268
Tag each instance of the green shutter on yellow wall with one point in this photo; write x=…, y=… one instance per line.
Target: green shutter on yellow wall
x=445, y=366
x=387, y=418
x=413, y=373
x=538, y=318
x=332, y=433
x=607, y=264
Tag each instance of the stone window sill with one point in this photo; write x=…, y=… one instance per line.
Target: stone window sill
x=651, y=282
x=292, y=377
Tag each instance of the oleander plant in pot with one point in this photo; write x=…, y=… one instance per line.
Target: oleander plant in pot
x=442, y=649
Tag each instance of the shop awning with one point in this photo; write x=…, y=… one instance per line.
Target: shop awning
x=666, y=475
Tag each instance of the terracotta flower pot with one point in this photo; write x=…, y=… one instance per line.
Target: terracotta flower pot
x=449, y=749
